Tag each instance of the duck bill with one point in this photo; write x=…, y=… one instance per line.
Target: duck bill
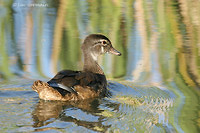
x=114, y=51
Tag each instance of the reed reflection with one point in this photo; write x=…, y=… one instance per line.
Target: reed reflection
x=159, y=40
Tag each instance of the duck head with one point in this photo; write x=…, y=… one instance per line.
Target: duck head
x=97, y=44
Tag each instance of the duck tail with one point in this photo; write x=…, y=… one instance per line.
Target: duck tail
x=38, y=85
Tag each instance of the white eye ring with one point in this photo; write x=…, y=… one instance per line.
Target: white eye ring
x=104, y=43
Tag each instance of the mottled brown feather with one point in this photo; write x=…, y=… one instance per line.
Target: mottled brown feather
x=46, y=92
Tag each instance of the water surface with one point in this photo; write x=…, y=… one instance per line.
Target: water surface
x=155, y=84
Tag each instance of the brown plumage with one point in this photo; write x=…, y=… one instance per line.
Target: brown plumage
x=68, y=85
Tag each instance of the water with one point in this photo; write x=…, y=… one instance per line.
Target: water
x=155, y=84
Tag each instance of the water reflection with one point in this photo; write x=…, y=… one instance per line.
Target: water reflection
x=131, y=109
x=148, y=107
x=159, y=41
x=47, y=112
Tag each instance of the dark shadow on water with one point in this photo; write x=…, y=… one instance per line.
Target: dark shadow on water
x=124, y=90
x=47, y=112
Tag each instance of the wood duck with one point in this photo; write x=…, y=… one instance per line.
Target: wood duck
x=68, y=85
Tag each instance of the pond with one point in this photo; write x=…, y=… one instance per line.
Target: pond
x=155, y=84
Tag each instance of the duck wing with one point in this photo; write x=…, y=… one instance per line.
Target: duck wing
x=64, y=80
x=93, y=80
x=68, y=79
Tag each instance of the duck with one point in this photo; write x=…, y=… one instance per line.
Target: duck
x=91, y=82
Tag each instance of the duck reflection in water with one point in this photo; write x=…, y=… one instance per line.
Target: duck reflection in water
x=47, y=112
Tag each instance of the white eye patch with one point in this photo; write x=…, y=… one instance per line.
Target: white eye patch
x=102, y=49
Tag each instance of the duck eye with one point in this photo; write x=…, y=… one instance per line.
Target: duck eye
x=104, y=43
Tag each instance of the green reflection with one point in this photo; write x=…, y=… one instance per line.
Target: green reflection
x=166, y=33
x=6, y=32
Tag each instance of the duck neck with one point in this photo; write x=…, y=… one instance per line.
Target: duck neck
x=91, y=65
